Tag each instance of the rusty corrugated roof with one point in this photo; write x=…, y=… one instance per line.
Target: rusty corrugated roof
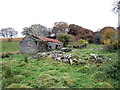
x=49, y=39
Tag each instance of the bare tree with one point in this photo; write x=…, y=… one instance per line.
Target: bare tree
x=116, y=7
x=8, y=33
x=60, y=27
x=36, y=30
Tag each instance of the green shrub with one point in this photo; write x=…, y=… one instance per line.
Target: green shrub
x=97, y=38
x=111, y=41
x=65, y=38
x=103, y=85
x=79, y=43
x=111, y=45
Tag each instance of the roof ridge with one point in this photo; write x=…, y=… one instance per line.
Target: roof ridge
x=49, y=39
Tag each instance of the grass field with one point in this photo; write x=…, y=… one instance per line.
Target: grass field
x=10, y=46
x=45, y=72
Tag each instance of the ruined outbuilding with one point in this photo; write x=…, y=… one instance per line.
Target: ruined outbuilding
x=31, y=44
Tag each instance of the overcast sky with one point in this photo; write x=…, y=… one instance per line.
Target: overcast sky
x=90, y=14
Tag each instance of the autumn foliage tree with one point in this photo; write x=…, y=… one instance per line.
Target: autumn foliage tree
x=74, y=29
x=110, y=38
x=108, y=32
x=81, y=33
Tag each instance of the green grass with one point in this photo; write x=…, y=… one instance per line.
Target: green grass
x=48, y=73
x=10, y=46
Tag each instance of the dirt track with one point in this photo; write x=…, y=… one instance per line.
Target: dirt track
x=13, y=39
x=4, y=53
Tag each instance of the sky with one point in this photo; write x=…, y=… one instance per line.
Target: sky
x=90, y=14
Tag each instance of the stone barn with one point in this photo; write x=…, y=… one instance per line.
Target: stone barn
x=31, y=44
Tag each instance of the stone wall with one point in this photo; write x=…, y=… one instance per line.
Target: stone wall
x=28, y=45
x=53, y=45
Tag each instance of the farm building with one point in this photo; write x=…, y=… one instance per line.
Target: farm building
x=31, y=44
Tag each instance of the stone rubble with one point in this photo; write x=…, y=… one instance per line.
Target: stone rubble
x=69, y=58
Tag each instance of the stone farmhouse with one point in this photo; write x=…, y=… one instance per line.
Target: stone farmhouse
x=31, y=44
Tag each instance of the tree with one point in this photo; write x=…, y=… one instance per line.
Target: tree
x=108, y=32
x=81, y=33
x=97, y=38
x=60, y=27
x=36, y=30
x=65, y=38
x=74, y=29
x=110, y=38
x=8, y=33
x=116, y=9
x=116, y=6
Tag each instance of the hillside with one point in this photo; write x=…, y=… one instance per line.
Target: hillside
x=45, y=72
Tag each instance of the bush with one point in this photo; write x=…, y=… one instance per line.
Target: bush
x=111, y=45
x=65, y=38
x=97, y=38
x=78, y=44
x=110, y=39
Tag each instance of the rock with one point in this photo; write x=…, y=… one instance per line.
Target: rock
x=44, y=54
x=58, y=58
x=71, y=61
x=66, y=49
x=93, y=56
